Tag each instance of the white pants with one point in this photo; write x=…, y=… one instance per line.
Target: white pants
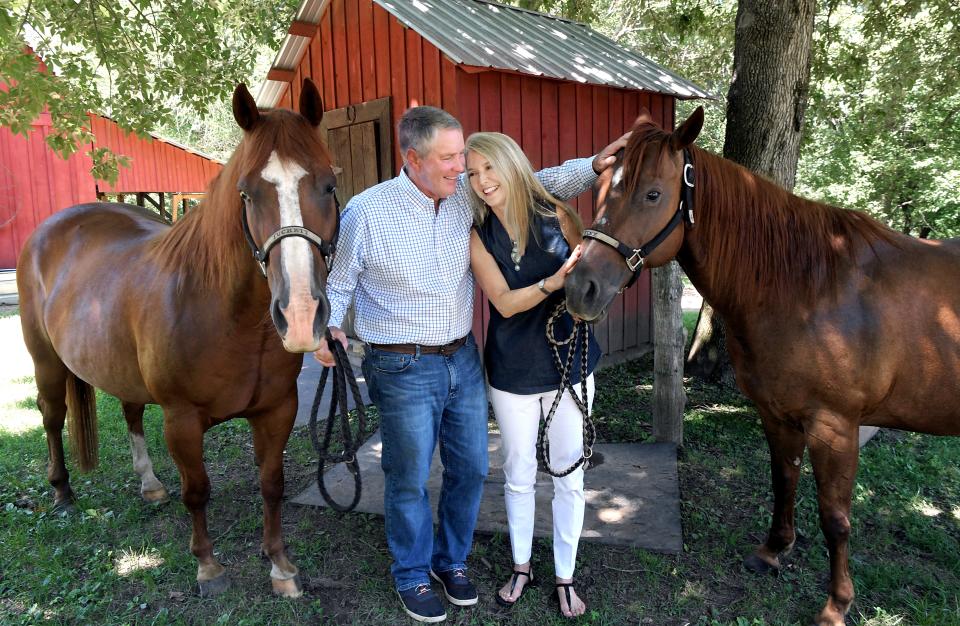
x=519, y=420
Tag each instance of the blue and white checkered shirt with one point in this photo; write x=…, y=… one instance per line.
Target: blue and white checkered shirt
x=409, y=266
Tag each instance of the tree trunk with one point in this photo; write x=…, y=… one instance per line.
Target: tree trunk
x=669, y=398
x=765, y=111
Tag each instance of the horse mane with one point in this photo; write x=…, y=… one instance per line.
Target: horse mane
x=207, y=246
x=769, y=245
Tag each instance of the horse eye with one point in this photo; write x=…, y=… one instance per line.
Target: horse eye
x=653, y=196
x=330, y=188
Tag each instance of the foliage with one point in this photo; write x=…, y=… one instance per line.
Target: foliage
x=134, y=61
x=884, y=129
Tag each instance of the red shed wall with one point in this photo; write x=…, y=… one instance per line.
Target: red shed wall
x=35, y=183
x=155, y=165
x=385, y=59
x=552, y=120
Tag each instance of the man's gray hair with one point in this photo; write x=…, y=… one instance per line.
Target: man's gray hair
x=419, y=125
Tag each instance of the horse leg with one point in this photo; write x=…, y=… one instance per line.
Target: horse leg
x=834, y=452
x=51, y=376
x=786, y=443
x=270, y=433
x=183, y=431
x=151, y=489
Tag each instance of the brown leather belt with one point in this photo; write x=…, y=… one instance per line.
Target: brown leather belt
x=411, y=348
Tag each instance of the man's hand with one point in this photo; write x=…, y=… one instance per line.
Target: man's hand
x=607, y=156
x=323, y=353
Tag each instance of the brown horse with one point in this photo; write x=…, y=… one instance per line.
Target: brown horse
x=833, y=320
x=113, y=298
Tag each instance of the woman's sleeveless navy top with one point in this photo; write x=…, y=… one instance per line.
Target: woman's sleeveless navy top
x=516, y=355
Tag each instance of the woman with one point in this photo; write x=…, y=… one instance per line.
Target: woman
x=520, y=255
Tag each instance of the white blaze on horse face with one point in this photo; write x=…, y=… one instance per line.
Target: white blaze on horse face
x=296, y=259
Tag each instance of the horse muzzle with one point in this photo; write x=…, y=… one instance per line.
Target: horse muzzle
x=587, y=298
x=301, y=322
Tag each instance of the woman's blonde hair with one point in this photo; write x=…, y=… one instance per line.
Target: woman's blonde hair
x=525, y=193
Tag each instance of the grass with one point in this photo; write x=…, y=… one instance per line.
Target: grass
x=8, y=310
x=118, y=561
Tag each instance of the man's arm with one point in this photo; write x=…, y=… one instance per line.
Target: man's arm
x=343, y=277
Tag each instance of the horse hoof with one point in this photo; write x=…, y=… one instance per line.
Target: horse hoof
x=214, y=587
x=758, y=566
x=289, y=588
x=64, y=507
x=155, y=496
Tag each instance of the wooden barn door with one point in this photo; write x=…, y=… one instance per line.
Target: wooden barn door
x=360, y=138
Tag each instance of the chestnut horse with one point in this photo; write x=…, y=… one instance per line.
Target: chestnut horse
x=112, y=297
x=833, y=320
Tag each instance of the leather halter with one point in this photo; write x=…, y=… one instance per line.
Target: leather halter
x=326, y=248
x=634, y=257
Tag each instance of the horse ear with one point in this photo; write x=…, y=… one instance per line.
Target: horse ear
x=311, y=105
x=688, y=131
x=643, y=117
x=244, y=108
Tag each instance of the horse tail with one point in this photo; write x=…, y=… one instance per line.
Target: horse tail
x=82, y=423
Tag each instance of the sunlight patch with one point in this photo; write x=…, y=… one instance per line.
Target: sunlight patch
x=926, y=508
x=956, y=512
x=131, y=561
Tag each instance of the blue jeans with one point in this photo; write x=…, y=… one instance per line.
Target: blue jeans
x=423, y=399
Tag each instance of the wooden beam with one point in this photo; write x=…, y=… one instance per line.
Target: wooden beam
x=281, y=75
x=669, y=398
x=303, y=29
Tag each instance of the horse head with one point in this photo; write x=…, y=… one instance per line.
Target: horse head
x=641, y=204
x=290, y=213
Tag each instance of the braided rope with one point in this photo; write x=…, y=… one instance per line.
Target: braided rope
x=342, y=375
x=582, y=332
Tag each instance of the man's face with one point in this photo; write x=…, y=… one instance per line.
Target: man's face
x=436, y=172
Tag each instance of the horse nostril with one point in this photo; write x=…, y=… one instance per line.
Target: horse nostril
x=590, y=293
x=278, y=319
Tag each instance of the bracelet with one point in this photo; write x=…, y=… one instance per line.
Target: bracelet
x=542, y=287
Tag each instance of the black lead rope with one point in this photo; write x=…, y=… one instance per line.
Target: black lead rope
x=582, y=332
x=342, y=374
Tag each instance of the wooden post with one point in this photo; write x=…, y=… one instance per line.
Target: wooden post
x=669, y=398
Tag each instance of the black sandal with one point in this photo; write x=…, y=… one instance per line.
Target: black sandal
x=566, y=592
x=513, y=585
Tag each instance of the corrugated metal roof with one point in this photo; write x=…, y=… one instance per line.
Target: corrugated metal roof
x=482, y=33
x=487, y=34
x=291, y=51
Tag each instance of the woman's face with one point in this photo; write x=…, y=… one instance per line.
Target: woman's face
x=485, y=181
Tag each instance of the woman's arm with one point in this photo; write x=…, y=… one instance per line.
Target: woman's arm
x=508, y=301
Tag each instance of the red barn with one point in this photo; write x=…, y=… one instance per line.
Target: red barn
x=35, y=182
x=560, y=89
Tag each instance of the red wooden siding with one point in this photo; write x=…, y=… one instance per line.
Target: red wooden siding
x=553, y=121
x=35, y=182
x=155, y=166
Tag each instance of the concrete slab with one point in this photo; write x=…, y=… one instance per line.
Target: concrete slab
x=632, y=494
x=8, y=287
x=310, y=376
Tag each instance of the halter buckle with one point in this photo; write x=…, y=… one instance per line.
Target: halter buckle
x=635, y=262
x=688, y=169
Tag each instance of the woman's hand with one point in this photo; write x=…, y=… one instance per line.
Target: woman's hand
x=560, y=276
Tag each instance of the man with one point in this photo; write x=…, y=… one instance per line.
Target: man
x=404, y=254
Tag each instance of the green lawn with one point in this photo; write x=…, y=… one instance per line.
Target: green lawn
x=118, y=561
